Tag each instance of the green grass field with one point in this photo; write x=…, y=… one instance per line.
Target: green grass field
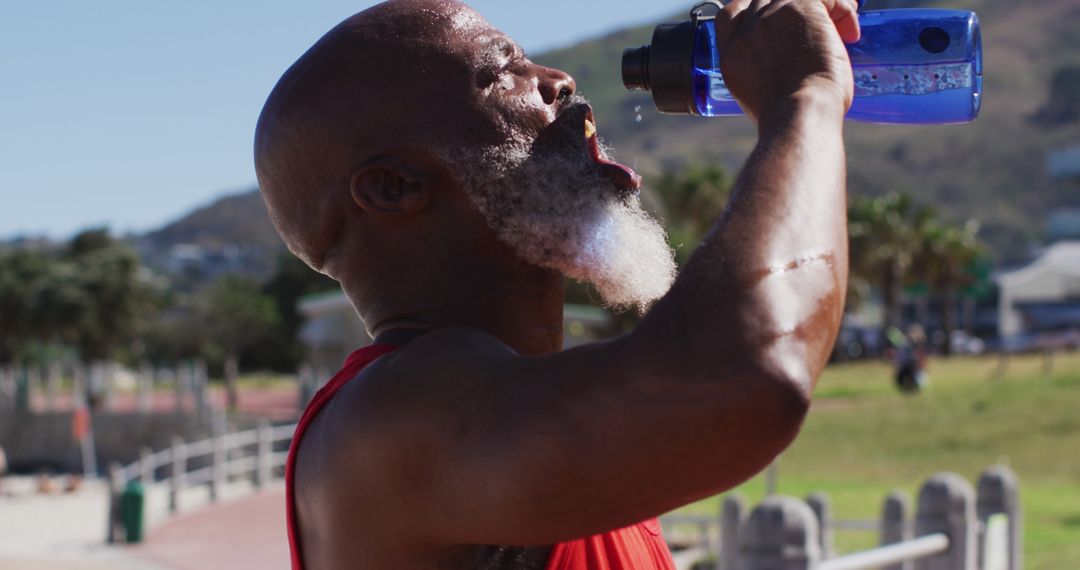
x=863, y=439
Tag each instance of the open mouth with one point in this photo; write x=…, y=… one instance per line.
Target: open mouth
x=624, y=178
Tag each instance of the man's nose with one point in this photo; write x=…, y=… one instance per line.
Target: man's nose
x=555, y=85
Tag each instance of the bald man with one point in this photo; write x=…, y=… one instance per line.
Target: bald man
x=418, y=157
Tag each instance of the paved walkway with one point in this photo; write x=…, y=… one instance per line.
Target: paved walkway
x=238, y=534
x=243, y=531
x=54, y=532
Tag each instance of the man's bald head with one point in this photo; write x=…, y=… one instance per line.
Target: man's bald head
x=392, y=77
x=414, y=136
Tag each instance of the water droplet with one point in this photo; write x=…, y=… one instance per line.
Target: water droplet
x=638, y=118
x=637, y=109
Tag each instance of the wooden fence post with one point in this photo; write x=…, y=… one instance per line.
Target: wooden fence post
x=894, y=524
x=947, y=505
x=179, y=469
x=822, y=507
x=781, y=534
x=732, y=517
x=999, y=493
x=263, y=448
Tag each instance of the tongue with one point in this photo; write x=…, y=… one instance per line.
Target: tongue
x=622, y=176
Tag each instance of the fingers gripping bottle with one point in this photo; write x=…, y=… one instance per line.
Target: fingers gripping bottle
x=911, y=66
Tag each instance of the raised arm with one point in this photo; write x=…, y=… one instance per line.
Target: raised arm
x=503, y=449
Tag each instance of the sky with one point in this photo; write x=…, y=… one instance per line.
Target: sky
x=129, y=113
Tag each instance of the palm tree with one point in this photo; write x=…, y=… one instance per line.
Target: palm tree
x=885, y=242
x=945, y=261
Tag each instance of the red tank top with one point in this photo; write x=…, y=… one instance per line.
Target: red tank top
x=637, y=547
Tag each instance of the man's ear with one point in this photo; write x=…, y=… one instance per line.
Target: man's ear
x=391, y=185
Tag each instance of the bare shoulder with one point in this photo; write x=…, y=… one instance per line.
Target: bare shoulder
x=382, y=421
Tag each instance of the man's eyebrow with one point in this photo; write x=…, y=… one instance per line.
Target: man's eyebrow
x=505, y=44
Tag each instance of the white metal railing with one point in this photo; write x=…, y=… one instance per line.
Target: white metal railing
x=914, y=549
x=226, y=456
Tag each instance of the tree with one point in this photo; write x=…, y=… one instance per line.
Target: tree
x=693, y=198
x=946, y=257
x=292, y=281
x=100, y=284
x=885, y=241
x=21, y=272
x=690, y=200
x=236, y=315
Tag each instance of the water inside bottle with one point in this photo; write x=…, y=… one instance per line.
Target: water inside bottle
x=929, y=94
x=912, y=66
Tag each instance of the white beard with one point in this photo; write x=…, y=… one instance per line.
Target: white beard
x=555, y=210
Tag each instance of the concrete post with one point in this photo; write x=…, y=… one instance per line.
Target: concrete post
x=199, y=385
x=106, y=374
x=22, y=390
x=5, y=389
x=115, y=484
x=947, y=505
x=79, y=384
x=35, y=382
x=182, y=386
x=999, y=493
x=781, y=534
x=305, y=378
x=179, y=469
x=772, y=477
x=145, y=392
x=52, y=385
x=217, y=458
x=146, y=468
x=894, y=526
x=732, y=516
x=822, y=507
x=263, y=449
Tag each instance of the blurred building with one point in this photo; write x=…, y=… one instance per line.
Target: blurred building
x=1043, y=296
x=1064, y=163
x=332, y=330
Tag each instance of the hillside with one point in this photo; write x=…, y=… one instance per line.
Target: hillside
x=238, y=219
x=993, y=170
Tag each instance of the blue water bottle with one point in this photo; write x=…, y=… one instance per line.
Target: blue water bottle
x=911, y=66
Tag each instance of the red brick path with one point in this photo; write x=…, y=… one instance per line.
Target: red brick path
x=243, y=534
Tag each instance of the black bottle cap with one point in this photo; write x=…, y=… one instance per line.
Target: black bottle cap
x=635, y=68
x=670, y=68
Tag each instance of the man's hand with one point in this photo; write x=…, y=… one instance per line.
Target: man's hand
x=773, y=50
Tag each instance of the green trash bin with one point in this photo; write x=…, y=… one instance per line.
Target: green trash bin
x=132, y=502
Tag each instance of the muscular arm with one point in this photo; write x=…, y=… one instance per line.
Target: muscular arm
x=504, y=449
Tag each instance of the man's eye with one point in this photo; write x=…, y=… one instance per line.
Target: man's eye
x=486, y=77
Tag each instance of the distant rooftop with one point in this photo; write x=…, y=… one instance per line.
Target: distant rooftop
x=1063, y=225
x=1064, y=163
